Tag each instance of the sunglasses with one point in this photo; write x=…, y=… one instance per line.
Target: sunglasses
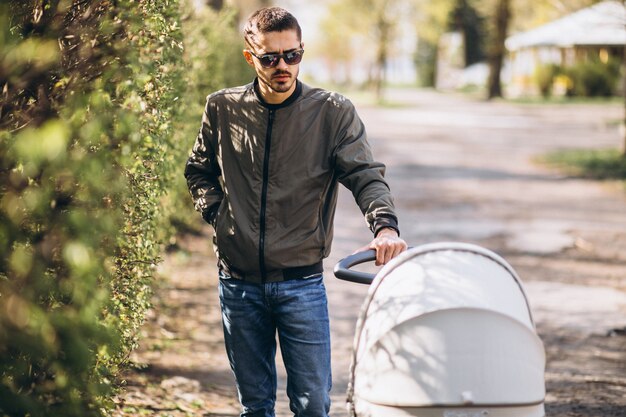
x=271, y=60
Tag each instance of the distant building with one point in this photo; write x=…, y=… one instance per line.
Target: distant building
x=596, y=31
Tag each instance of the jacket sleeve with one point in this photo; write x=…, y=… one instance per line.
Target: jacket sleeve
x=202, y=170
x=357, y=170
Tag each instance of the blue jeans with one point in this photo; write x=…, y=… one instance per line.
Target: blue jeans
x=297, y=310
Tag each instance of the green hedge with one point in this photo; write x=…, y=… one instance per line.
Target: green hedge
x=593, y=78
x=100, y=104
x=588, y=78
x=545, y=76
x=90, y=93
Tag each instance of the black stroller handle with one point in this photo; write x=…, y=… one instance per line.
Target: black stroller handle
x=342, y=269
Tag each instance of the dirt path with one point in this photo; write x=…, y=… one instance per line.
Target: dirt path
x=462, y=171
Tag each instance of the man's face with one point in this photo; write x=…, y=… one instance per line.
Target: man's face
x=279, y=80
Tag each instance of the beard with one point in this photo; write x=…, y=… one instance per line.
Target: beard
x=280, y=81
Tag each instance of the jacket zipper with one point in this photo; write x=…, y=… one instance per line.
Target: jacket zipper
x=266, y=173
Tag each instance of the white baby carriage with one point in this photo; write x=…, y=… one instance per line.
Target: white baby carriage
x=445, y=331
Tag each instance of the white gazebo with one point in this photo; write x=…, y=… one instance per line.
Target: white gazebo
x=598, y=30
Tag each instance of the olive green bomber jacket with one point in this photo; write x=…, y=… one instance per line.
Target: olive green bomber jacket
x=266, y=176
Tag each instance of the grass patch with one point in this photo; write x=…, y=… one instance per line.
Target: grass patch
x=562, y=100
x=586, y=163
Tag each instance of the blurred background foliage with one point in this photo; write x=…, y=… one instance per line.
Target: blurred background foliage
x=101, y=101
x=382, y=25
x=213, y=59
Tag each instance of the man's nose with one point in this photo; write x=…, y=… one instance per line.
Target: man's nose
x=282, y=64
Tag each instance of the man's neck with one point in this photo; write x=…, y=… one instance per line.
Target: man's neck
x=272, y=97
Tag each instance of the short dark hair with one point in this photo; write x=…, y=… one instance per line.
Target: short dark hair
x=270, y=19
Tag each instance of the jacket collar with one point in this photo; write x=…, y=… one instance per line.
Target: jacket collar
x=293, y=97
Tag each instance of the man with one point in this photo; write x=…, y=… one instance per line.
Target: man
x=264, y=172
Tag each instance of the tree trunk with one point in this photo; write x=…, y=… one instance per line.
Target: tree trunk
x=498, y=50
x=216, y=5
x=624, y=94
x=381, y=56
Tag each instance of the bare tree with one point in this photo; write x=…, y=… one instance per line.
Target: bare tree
x=497, y=51
x=431, y=22
x=384, y=27
x=246, y=7
x=624, y=94
x=215, y=4
x=375, y=21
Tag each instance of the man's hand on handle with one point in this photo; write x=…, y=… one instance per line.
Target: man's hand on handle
x=387, y=245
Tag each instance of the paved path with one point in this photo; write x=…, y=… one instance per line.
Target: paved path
x=463, y=170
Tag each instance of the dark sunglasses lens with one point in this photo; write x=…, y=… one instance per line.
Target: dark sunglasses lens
x=293, y=58
x=269, y=61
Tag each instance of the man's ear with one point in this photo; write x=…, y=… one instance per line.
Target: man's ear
x=248, y=56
